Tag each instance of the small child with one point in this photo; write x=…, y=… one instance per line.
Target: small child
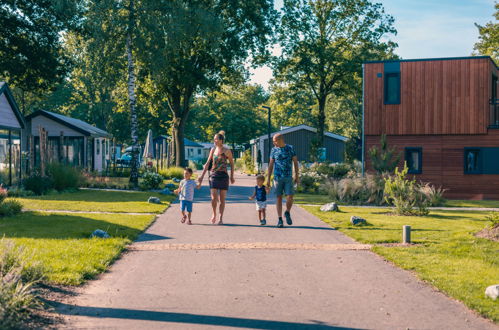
x=261, y=198
x=185, y=193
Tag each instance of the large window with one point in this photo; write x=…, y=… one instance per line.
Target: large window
x=414, y=160
x=392, y=88
x=10, y=157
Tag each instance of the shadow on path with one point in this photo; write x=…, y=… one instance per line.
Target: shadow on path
x=271, y=226
x=122, y=313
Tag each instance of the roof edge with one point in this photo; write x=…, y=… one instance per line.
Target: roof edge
x=434, y=59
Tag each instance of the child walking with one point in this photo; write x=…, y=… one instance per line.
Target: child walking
x=185, y=193
x=261, y=199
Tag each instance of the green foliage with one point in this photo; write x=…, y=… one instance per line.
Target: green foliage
x=493, y=217
x=357, y=190
x=384, y=159
x=488, y=43
x=308, y=184
x=248, y=163
x=17, y=296
x=151, y=180
x=405, y=194
x=434, y=195
x=197, y=164
x=38, y=184
x=65, y=177
x=172, y=172
x=10, y=207
x=19, y=192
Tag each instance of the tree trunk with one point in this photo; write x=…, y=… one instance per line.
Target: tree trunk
x=321, y=123
x=134, y=173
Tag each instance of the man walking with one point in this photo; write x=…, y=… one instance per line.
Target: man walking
x=282, y=157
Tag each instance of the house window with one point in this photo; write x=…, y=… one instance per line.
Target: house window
x=199, y=152
x=472, y=164
x=392, y=88
x=414, y=160
x=97, y=142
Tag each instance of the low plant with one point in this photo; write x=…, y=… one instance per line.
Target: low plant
x=357, y=190
x=19, y=192
x=65, y=177
x=493, y=217
x=196, y=164
x=434, y=195
x=18, y=299
x=38, y=184
x=173, y=172
x=308, y=184
x=10, y=207
x=151, y=180
x=405, y=195
x=384, y=159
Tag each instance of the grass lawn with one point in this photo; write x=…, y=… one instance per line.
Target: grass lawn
x=61, y=243
x=95, y=200
x=303, y=198
x=447, y=254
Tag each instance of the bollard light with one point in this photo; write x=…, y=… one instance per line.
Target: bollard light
x=406, y=234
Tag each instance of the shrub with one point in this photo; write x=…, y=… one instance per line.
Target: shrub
x=19, y=192
x=17, y=278
x=434, y=196
x=493, y=217
x=172, y=172
x=308, y=184
x=385, y=159
x=249, y=165
x=196, y=164
x=3, y=194
x=64, y=176
x=151, y=180
x=405, y=195
x=10, y=208
x=38, y=184
x=357, y=190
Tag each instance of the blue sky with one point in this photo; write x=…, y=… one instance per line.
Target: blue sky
x=427, y=28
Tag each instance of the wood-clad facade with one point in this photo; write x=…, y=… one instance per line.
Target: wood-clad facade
x=443, y=110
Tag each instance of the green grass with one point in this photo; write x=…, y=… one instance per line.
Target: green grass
x=303, y=198
x=447, y=254
x=466, y=203
x=61, y=241
x=95, y=200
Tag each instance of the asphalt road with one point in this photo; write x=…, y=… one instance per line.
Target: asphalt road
x=245, y=276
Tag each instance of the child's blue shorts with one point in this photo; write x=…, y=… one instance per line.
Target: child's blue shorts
x=186, y=205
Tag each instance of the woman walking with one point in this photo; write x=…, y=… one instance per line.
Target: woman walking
x=219, y=178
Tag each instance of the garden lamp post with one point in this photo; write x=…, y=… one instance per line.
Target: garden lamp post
x=269, y=131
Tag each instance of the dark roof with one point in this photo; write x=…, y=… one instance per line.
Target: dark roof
x=76, y=124
x=434, y=59
x=189, y=143
x=4, y=89
x=302, y=127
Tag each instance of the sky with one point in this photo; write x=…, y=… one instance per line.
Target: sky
x=425, y=28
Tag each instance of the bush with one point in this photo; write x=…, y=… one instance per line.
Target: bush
x=10, y=208
x=172, y=172
x=308, y=184
x=435, y=196
x=38, y=184
x=64, y=176
x=19, y=192
x=17, y=277
x=248, y=164
x=493, y=217
x=196, y=164
x=384, y=159
x=357, y=190
x=151, y=180
x=405, y=195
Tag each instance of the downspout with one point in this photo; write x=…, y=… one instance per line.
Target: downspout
x=363, y=134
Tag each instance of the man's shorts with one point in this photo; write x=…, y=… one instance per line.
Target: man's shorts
x=186, y=205
x=284, y=186
x=261, y=205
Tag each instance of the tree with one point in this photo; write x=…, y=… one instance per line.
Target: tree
x=489, y=38
x=324, y=43
x=193, y=46
x=384, y=159
x=291, y=106
x=234, y=109
x=31, y=57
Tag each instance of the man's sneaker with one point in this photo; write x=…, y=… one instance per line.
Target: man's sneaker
x=263, y=222
x=280, y=224
x=288, y=218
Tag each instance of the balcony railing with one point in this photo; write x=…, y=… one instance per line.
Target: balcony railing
x=494, y=113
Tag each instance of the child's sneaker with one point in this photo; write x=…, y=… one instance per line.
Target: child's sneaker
x=280, y=224
x=263, y=222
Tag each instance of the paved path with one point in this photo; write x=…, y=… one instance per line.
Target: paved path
x=242, y=275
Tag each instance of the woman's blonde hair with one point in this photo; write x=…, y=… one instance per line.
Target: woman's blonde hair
x=221, y=135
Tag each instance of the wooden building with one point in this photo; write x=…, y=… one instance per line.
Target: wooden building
x=301, y=138
x=443, y=117
x=11, y=126
x=69, y=140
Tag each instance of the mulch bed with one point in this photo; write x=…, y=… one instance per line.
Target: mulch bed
x=489, y=233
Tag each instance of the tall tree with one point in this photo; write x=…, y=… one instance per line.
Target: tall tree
x=489, y=38
x=31, y=57
x=324, y=43
x=234, y=109
x=197, y=45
